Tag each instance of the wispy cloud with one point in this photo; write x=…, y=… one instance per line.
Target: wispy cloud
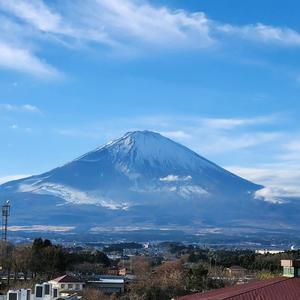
x=18, y=128
x=139, y=21
x=205, y=135
x=230, y=123
x=263, y=33
x=35, y=13
x=14, y=107
x=14, y=126
x=23, y=26
x=93, y=133
x=23, y=60
x=291, y=149
x=127, y=26
x=221, y=143
x=179, y=134
x=219, y=135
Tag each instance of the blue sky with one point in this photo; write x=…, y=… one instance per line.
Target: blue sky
x=222, y=77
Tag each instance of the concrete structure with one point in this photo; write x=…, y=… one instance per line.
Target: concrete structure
x=108, y=284
x=68, y=283
x=236, y=271
x=266, y=251
x=291, y=268
x=23, y=294
x=44, y=291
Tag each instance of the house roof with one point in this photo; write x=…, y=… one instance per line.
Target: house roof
x=67, y=279
x=106, y=280
x=280, y=288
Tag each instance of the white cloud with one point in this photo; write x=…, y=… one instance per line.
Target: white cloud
x=291, y=149
x=22, y=60
x=293, y=146
x=79, y=133
x=30, y=108
x=8, y=178
x=263, y=33
x=124, y=25
x=207, y=136
x=115, y=23
x=25, y=107
x=280, y=179
x=229, y=123
x=140, y=20
x=18, y=128
x=35, y=13
x=179, y=134
x=127, y=26
x=14, y=126
x=229, y=142
x=272, y=194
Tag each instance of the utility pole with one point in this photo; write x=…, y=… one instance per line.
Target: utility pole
x=5, y=215
x=4, y=264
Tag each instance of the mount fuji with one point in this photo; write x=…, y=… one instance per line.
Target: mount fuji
x=143, y=180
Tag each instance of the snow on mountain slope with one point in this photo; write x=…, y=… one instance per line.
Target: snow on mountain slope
x=140, y=162
x=141, y=177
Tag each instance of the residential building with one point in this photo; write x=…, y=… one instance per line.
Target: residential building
x=286, y=287
x=68, y=283
x=44, y=291
x=108, y=284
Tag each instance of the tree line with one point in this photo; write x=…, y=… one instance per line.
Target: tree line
x=43, y=260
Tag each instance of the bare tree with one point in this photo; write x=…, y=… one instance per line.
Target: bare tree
x=94, y=294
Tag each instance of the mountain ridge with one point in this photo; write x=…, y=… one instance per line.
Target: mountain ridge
x=141, y=178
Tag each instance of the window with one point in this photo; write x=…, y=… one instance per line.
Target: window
x=13, y=296
x=62, y=286
x=77, y=287
x=47, y=289
x=38, y=291
x=288, y=271
x=55, y=293
x=70, y=286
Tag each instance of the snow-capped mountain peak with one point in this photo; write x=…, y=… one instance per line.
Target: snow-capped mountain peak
x=147, y=147
x=141, y=171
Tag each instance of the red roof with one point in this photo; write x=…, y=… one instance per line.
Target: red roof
x=67, y=279
x=280, y=288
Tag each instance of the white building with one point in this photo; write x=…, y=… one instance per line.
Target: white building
x=266, y=251
x=45, y=291
x=108, y=284
x=68, y=283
